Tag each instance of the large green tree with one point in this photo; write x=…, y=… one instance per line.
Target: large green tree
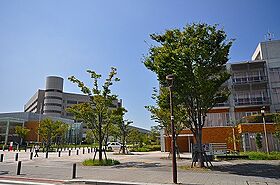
x=96, y=113
x=196, y=56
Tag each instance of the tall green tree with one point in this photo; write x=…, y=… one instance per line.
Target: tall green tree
x=196, y=56
x=97, y=112
x=21, y=132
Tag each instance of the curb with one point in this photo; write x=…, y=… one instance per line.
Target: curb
x=104, y=182
x=16, y=180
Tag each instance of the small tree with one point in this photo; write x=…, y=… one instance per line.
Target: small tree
x=122, y=126
x=259, y=141
x=155, y=135
x=96, y=114
x=49, y=130
x=21, y=132
x=135, y=137
x=277, y=126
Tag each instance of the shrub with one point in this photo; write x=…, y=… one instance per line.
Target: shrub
x=146, y=148
x=263, y=155
x=104, y=162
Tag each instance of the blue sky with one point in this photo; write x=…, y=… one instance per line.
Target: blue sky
x=66, y=37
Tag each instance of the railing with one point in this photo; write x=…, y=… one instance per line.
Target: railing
x=251, y=101
x=224, y=104
x=249, y=79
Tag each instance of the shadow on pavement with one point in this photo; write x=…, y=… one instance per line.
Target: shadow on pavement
x=137, y=165
x=248, y=169
x=4, y=172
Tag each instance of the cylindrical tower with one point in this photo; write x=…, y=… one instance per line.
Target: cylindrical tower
x=53, y=96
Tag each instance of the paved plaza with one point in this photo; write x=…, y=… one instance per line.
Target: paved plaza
x=140, y=168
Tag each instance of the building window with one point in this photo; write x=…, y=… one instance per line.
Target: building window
x=71, y=102
x=52, y=111
x=53, y=90
x=53, y=104
x=53, y=97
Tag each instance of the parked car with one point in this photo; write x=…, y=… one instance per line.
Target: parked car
x=114, y=145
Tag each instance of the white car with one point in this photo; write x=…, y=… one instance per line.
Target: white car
x=114, y=145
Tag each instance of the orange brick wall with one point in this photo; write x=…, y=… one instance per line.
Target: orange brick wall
x=255, y=128
x=219, y=135
x=209, y=135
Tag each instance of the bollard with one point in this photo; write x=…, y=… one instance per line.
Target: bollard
x=59, y=152
x=69, y=152
x=31, y=155
x=2, y=158
x=16, y=157
x=74, y=171
x=88, y=150
x=83, y=150
x=47, y=154
x=77, y=152
x=19, y=168
x=91, y=150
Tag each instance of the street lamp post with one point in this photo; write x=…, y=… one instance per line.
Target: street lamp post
x=264, y=128
x=170, y=79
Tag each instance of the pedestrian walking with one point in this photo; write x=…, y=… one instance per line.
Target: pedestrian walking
x=37, y=148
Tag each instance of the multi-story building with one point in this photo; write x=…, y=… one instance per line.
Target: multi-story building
x=53, y=101
x=253, y=85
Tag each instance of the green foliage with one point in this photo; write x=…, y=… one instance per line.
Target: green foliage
x=269, y=118
x=121, y=125
x=155, y=135
x=146, y=148
x=89, y=137
x=277, y=126
x=97, y=113
x=262, y=155
x=259, y=140
x=196, y=56
x=21, y=131
x=136, y=138
x=52, y=130
x=108, y=162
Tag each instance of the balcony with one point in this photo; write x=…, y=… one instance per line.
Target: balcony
x=251, y=101
x=224, y=104
x=249, y=79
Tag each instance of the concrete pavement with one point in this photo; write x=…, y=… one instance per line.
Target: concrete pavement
x=141, y=168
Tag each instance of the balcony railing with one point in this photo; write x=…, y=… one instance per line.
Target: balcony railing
x=249, y=79
x=252, y=101
x=224, y=104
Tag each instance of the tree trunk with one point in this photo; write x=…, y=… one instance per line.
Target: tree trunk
x=200, y=158
x=123, y=145
x=100, y=138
